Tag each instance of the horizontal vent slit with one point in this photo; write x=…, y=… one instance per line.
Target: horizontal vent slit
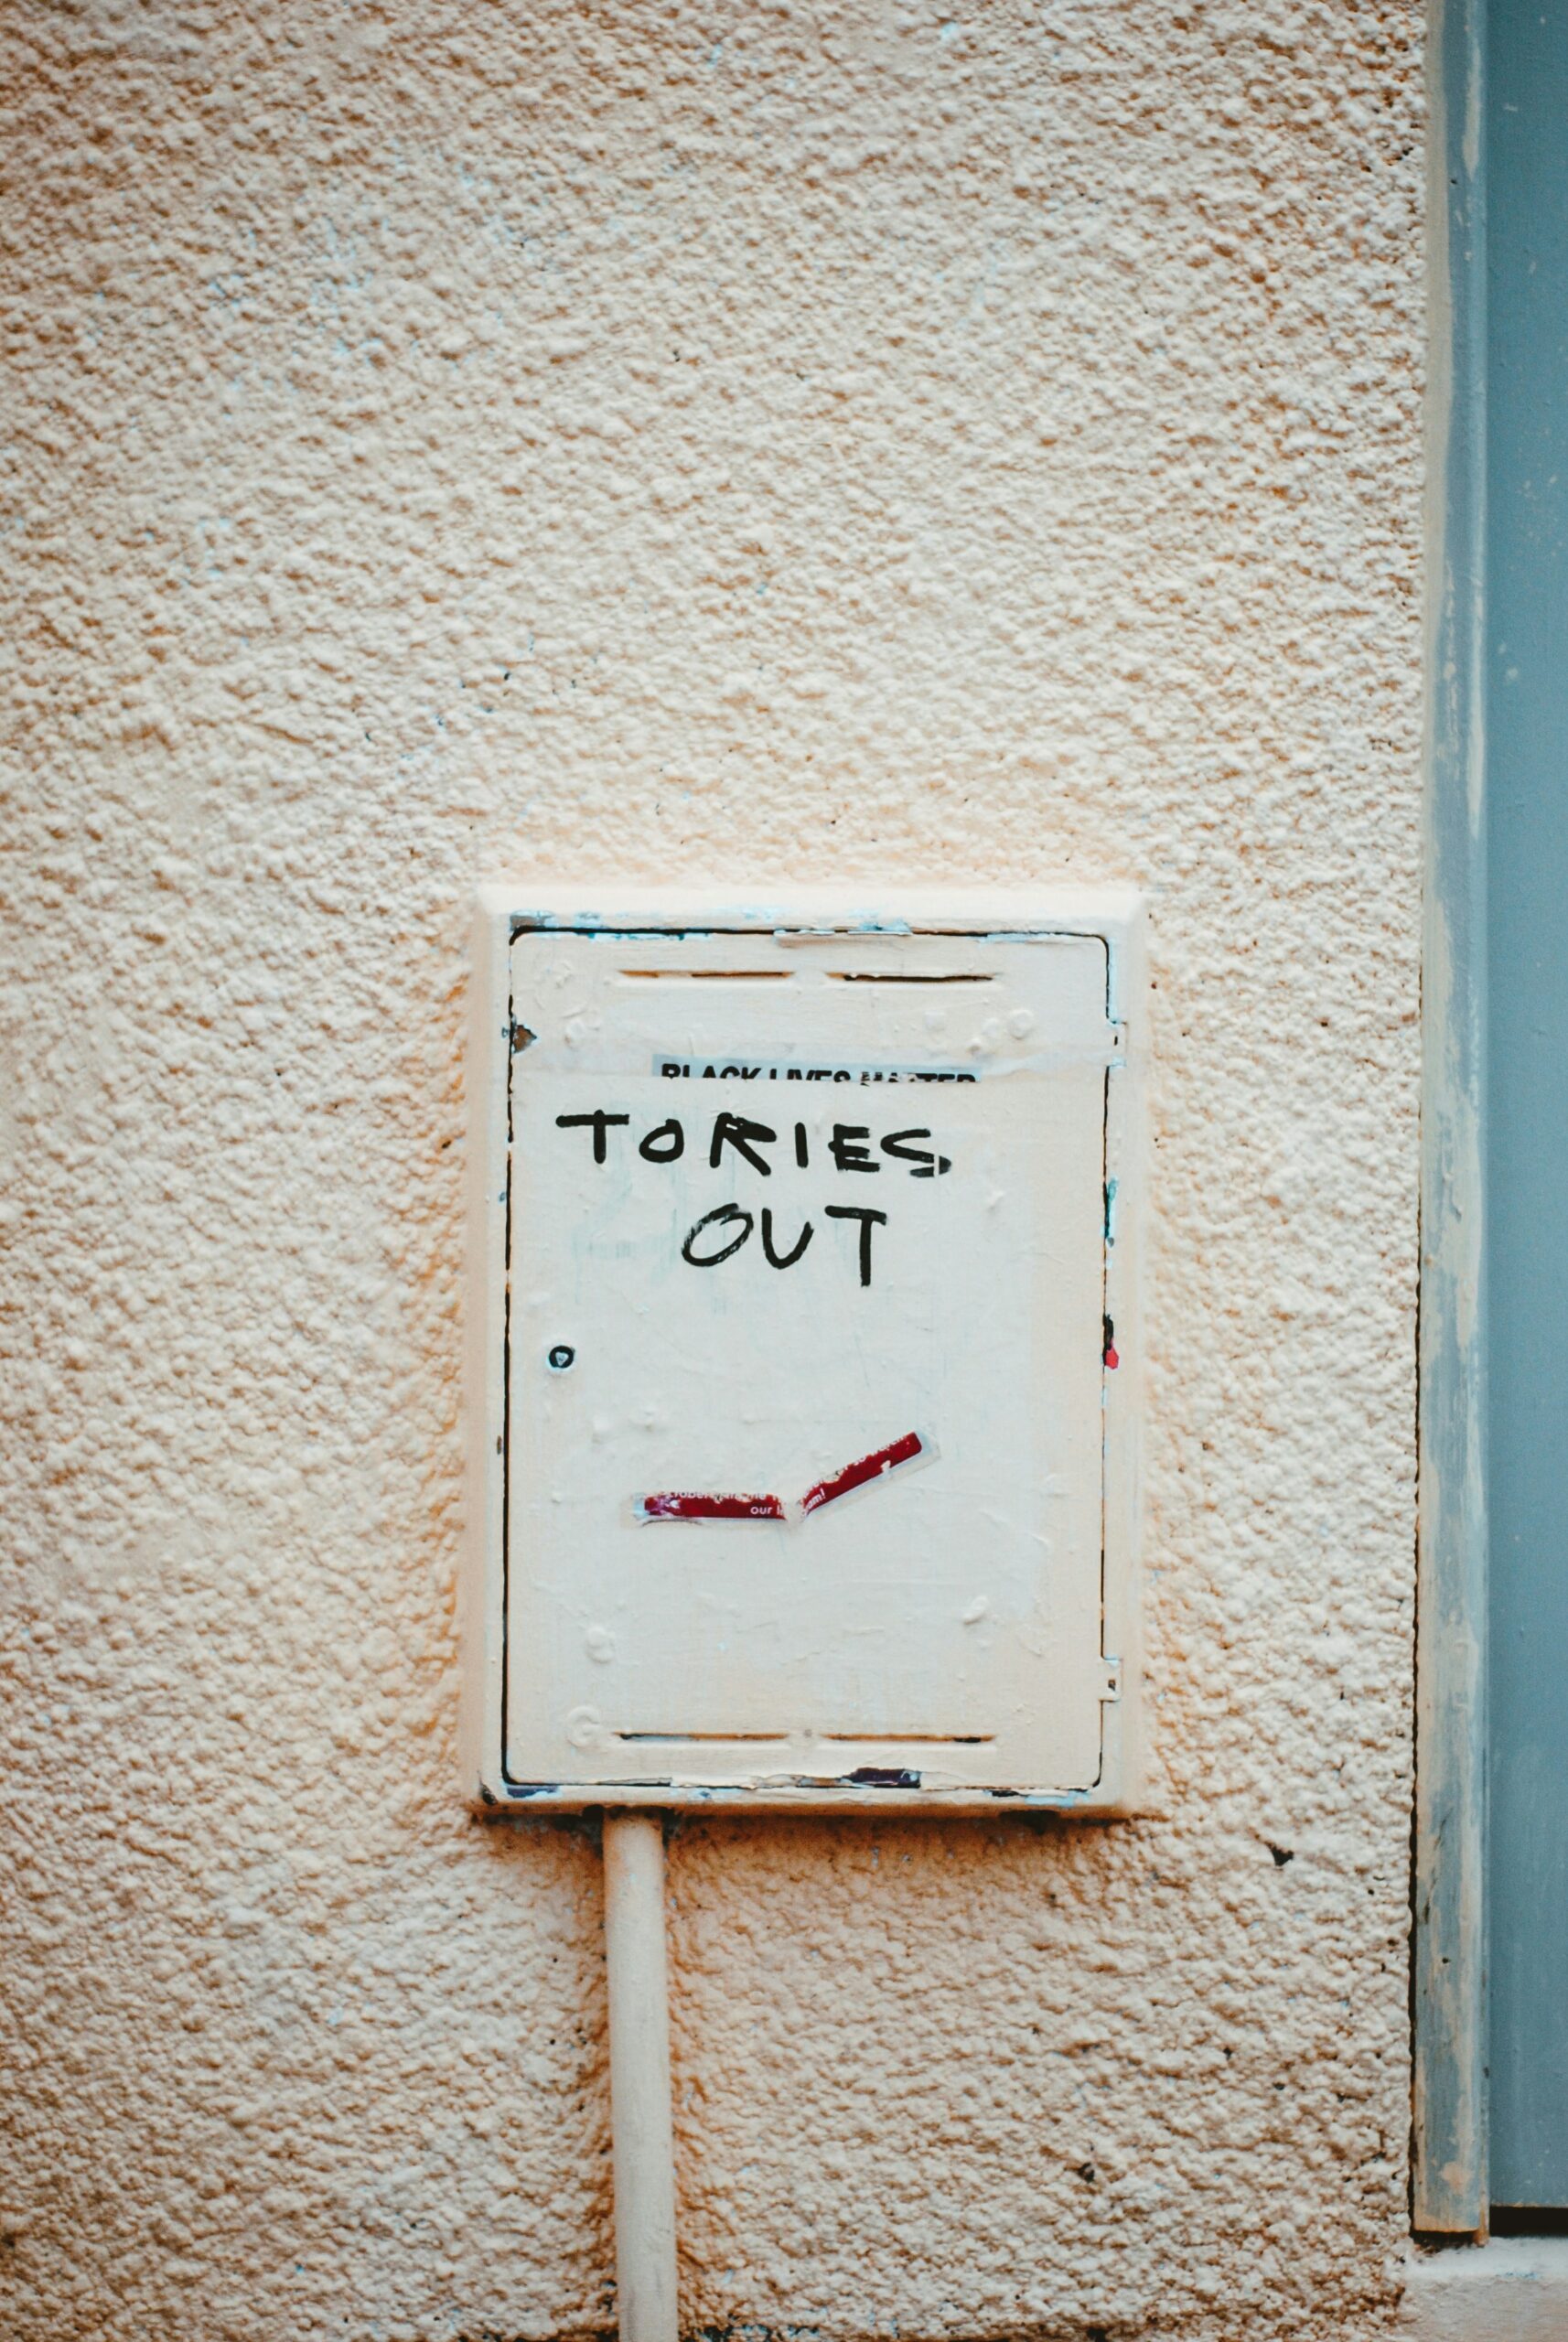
x=863, y=976
x=773, y=1739
x=914, y=1739
x=851, y=1739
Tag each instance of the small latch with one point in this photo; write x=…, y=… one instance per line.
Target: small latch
x=1111, y=1679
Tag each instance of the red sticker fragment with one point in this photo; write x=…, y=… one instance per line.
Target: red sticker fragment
x=681, y=1504
x=676, y=1505
x=867, y=1467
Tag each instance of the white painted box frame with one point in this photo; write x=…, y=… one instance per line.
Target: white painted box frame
x=507, y=1632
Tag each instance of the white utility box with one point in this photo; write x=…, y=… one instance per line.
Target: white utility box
x=804, y=1353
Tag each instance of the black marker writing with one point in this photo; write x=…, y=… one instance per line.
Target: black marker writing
x=733, y=1130
x=716, y=1220
x=598, y=1121
x=846, y=1150
x=783, y=1259
x=666, y=1144
x=868, y=1219
x=850, y=1145
x=706, y=1233
x=932, y=1165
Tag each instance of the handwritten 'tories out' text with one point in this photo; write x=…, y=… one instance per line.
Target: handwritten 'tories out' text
x=720, y=1233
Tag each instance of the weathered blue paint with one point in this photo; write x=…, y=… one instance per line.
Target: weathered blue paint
x=1526, y=797
x=1450, y=2140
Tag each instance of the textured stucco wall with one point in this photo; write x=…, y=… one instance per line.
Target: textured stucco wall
x=662, y=441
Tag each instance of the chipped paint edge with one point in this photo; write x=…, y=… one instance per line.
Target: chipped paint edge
x=504, y=909
x=1449, y=2184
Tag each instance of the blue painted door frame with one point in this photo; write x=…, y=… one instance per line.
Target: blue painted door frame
x=1491, y=1862
x=1527, y=1123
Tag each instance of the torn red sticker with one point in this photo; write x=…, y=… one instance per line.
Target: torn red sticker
x=678, y=1504
x=671, y=1504
x=866, y=1467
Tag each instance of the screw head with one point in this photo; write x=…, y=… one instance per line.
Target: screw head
x=561, y=1357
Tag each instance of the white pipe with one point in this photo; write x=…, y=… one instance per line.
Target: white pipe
x=640, y=2077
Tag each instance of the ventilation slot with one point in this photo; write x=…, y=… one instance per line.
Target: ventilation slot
x=916, y=1740
x=768, y=1739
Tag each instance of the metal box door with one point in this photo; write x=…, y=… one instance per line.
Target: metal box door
x=807, y=1352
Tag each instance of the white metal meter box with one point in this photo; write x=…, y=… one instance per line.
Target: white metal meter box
x=804, y=1353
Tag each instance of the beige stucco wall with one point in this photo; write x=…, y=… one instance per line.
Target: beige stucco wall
x=657, y=442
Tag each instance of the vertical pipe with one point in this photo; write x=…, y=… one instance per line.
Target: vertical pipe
x=1449, y=2192
x=640, y=2077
